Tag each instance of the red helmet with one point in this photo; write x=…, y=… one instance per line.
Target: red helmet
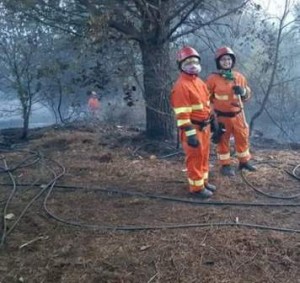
x=224, y=51
x=185, y=53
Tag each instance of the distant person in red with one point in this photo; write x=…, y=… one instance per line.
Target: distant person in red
x=94, y=104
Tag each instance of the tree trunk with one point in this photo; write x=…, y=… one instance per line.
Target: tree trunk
x=26, y=115
x=157, y=86
x=60, y=102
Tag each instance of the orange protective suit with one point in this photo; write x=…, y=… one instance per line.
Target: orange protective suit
x=229, y=112
x=191, y=104
x=93, y=105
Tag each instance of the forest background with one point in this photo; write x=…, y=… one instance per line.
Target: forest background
x=53, y=53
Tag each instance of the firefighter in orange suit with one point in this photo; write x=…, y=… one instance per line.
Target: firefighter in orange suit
x=229, y=89
x=190, y=102
x=94, y=104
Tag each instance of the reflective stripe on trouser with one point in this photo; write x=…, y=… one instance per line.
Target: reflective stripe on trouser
x=234, y=127
x=197, y=160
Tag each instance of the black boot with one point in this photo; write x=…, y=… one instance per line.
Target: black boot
x=210, y=187
x=227, y=170
x=247, y=166
x=202, y=194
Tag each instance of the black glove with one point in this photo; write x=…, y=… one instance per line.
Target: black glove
x=193, y=141
x=213, y=124
x=217, y=134
x=238, y=90
x=191, y=136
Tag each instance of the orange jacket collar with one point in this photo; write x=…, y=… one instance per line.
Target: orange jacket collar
x=188, y=76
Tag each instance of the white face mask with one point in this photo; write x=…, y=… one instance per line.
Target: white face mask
x=191, y=66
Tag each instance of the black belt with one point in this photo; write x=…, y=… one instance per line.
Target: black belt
x=227, y=114
x=202, y=124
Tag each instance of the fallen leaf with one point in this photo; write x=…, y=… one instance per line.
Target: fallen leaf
x=9, y=216
x=143, y=248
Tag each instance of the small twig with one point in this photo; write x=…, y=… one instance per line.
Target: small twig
x=33, y=241
x=171, y=154
x=152, y=278
x=246, y=262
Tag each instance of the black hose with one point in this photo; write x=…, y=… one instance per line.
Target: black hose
x=139, y=228
x=50, y=184
x=167, y=198
x=293, y=173
x=164, y=227
x=4, y=234
x=22, y=164
x=174, y=199
x=271, y=195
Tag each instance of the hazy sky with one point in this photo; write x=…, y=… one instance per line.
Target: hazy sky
x=274, y=7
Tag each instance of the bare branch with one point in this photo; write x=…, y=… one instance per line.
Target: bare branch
x=143, y=8
x=182, y=8
x=128, y=29
x=184, y=17
x=191, y=30
x=287, y=81
x=291, y=22
x=274, y=70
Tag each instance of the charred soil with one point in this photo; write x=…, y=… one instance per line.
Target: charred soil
x=120, y=234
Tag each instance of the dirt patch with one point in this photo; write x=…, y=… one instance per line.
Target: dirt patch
x=102, y=162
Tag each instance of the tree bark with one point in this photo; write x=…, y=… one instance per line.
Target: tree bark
x=26, y=115
x=60, y=102
x=157, y=85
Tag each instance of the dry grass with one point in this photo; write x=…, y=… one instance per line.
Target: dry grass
x=110, y=157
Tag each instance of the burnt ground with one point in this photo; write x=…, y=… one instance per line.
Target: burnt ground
x=99, y=159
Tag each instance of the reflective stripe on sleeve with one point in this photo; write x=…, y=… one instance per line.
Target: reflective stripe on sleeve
x=190, y=132
x=181, y=122
x=180, y=110
x=221, y=97
x=197, y=106
x=205, y=175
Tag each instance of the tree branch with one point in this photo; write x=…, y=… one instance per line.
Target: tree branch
x=129, y=30
x=143, y=8
x=274, y=70
x=203, y=24
x=182, y=8
x=182, y=20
